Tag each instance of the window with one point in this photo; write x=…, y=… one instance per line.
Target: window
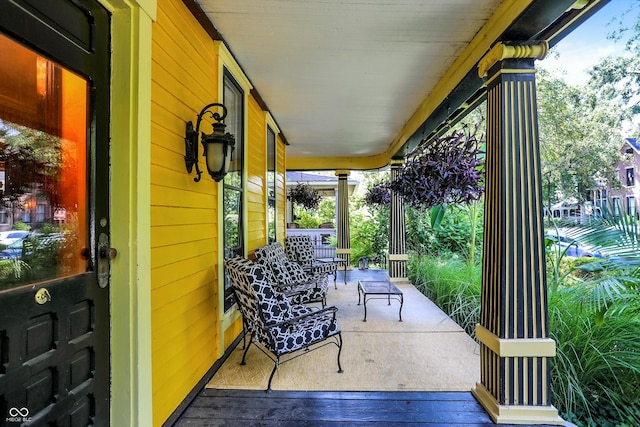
x=616, y=206
x=631, y=206
x=233, y=185
x=40, y=212
x=629, y=175
x=271, y=185
x=43, y=115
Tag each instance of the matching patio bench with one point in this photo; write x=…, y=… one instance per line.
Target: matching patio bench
x=290, y=278
x=300, y=249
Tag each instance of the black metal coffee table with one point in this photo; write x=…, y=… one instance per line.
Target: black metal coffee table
x=379, y=290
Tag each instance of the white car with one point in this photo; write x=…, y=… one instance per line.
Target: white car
x=8, y=237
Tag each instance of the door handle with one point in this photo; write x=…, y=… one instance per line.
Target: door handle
x=105, y=255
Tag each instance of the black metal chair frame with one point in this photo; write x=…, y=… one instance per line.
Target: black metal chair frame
x=300, y=313
x=335, y=340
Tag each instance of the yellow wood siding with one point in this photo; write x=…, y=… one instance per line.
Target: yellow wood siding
x=184, y=230
x=256, y=177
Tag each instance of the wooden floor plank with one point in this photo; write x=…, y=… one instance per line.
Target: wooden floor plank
x=367, y=395
x=334, y=409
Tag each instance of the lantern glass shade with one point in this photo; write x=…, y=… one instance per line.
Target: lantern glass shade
x=217, y=150
x=214, y=151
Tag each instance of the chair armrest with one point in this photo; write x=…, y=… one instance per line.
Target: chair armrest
x=322, y=312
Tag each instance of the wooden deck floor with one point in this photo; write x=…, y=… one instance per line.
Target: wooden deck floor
x=215, y=407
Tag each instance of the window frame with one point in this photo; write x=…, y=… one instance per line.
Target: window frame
x=272, y=195
x=629, y=175
x=631, y=206
x=228, y=187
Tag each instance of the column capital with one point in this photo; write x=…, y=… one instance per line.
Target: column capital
x=500, y=51
x=343, y=172
x=396, y=162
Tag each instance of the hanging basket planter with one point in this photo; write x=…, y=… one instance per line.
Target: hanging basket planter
x=447, y=170
x=378, y=195
x=305, y=196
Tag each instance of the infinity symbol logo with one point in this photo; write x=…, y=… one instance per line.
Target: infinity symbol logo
x=14, y=412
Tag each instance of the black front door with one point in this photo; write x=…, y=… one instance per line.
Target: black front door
x=54, y=169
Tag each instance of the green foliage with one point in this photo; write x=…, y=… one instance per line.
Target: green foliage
x=307, y=219
x=326, y=212
x=452, y=285
x=369, y=234
x=12, y=272
x=21, y=226
x=41, y=252
x=579, y=136
x=450, y=235
x=595, y=373
x=596, y=370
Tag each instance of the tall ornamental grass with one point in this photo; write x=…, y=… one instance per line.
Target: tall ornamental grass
x=452, y=285
x=595, y=376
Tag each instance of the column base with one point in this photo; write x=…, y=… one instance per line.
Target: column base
x=515, y=414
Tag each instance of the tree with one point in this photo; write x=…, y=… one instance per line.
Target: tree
x=33, y=162
x=580, y=136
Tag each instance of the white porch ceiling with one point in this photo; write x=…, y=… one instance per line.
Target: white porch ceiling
x=342, y=77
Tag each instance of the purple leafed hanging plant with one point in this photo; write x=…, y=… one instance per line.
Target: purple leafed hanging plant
x=305, y=196
x=447, y=170
x=378, y=195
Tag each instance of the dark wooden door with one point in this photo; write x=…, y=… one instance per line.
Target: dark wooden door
x=54, y=181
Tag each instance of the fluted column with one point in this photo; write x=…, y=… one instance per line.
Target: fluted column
x=515, y=345
x=344, y=236
x=397, y=235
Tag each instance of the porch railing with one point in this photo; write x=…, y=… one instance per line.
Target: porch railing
x=321, y=238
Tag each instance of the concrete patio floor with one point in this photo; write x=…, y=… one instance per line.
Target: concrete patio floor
x=427, y=351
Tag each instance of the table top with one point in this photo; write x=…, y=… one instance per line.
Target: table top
x=331, y=259
x=378, y=287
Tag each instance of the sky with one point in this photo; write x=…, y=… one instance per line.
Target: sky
x=587, y=44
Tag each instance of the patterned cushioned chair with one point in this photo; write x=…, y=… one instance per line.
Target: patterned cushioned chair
x=300, y=249
x=288, y=277
x=269, y=317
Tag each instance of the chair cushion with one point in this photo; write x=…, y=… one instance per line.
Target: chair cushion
x=275, y=306
x=271, y=253
x=280, y=272
x=296, y=272
x=303, y=333
x=300, y=249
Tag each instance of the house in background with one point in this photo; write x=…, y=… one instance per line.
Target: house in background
x=138, y=315
x=622, y=199
x=626, y=198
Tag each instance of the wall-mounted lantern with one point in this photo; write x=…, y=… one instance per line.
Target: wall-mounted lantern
x=217, y=146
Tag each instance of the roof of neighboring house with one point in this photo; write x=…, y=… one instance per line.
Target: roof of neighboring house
x=326, y=184
x=309, y=177
x=634, y=143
